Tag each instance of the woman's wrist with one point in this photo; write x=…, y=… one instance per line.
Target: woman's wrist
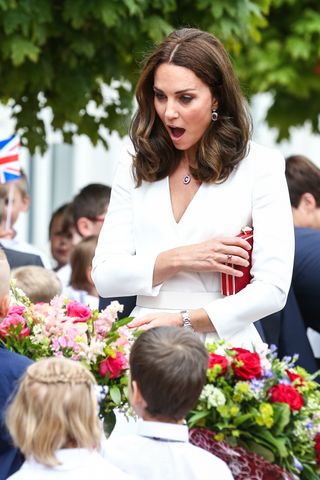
x=166, y=266
x=200, y=321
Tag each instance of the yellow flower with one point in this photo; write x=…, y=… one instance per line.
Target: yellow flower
x=266, y=415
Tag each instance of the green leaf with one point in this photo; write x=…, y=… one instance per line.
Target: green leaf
x=281, y=417
x=195, y=417
x=109, y=422
x=21, y=49
x=263, y=451
x=243, y=418
x=115, y=394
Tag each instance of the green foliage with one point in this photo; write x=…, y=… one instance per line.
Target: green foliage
x=286, y=62
x=59, y=54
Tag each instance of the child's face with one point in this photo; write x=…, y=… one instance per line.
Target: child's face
x=20, y=203
x=62, y=242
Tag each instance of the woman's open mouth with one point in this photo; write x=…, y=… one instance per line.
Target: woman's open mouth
x=176, y=132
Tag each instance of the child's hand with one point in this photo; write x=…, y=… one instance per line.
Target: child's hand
x=7, y=234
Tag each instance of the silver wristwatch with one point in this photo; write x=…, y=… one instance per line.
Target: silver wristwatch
x=186, y=319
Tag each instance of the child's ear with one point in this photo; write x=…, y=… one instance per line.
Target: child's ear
x=307, y=203
x=84, y=226
x=25, y=203
x=137, y=401
x=4, y=305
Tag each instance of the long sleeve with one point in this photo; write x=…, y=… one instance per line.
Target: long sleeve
x=273, y=250
x=118, y=269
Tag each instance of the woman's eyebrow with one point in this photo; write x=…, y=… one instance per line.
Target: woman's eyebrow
x=178, y=92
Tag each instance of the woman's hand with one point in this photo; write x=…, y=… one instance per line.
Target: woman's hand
x=214, y=255
x=198, y=317
x=157, y=319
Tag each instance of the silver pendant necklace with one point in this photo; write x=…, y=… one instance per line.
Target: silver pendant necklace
x=187, y=179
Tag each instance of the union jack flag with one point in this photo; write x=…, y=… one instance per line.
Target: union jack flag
x=9, y=159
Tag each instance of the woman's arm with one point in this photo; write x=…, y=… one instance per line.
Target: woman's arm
x=273, y=249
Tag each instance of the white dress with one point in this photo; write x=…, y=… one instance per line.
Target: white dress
x=140, y=224
x=75, y=464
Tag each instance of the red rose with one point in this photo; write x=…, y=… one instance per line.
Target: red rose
x=286, y=394
x=80, y=312
x=15, y=320
x=215, y=359
x=114, y=366
x=245, y=364
x=317, y=447
x=294, y=377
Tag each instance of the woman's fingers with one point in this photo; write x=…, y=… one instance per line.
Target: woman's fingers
x=138, y=322
x=155, y=320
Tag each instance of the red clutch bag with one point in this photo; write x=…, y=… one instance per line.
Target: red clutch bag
x=231, y=284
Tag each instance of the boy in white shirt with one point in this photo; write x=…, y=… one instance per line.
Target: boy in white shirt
x=20, y=203
x=168, y=370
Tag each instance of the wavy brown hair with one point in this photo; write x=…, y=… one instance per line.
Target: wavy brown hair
x=225, y=142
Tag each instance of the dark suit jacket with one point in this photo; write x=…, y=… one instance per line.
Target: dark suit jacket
x=287, y=328
x=306, y=275
x=128, y=304
x=12, y=366
x=20, y=259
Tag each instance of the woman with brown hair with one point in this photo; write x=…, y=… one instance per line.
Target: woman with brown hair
x=196, y=179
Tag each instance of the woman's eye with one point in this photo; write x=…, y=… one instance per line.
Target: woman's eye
x=159, y=96
x=186, y=98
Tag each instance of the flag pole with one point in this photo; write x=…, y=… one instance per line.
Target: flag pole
x=9, y=208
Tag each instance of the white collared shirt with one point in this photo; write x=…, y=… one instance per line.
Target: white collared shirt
x=161, y=451
x=76, y=464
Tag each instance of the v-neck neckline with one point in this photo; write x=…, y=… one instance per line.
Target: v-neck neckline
x=188, y=206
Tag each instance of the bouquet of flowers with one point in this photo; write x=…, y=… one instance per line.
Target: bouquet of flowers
x=266, y=405
x=69, y=329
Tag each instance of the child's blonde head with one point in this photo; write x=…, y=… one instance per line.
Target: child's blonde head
x=55, y=407
x=38, y=283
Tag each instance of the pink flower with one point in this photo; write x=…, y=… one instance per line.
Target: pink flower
x=15, y=320
x=18, y=309
x=114, y=366
x=79, y=312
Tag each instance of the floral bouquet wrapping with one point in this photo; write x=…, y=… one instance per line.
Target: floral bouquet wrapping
x=69, y=329
x=263, y=404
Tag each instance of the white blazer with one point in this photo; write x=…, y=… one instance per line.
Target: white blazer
x=140, y=224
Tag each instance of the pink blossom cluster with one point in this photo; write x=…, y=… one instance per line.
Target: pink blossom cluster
x=68, y=328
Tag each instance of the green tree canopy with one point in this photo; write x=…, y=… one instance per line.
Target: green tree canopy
x=286, y=62
x=60, y=54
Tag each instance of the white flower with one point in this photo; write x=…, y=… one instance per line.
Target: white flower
x=93, y=351
x=213, y=396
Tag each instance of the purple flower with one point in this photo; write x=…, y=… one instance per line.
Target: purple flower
x=268, y=373
x=297, y=464
x=256, y=384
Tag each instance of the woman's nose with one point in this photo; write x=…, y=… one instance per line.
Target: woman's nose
x=171, y=110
